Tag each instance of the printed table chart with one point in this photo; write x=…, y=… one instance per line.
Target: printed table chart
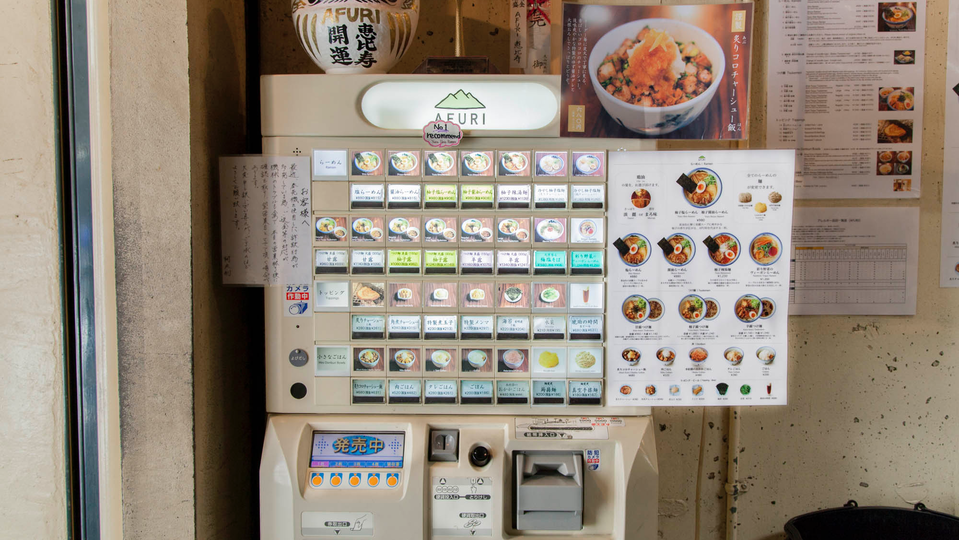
x=849, y=275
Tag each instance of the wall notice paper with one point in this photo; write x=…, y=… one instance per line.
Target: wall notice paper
x=846, y=89
x=854, y=261
x=698, y=285
x=265, y=220
x=671, y=72
x=949, y=254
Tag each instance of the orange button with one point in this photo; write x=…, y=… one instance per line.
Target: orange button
x=335, y=481
x=355, y=481
x=317, y=480
x=391, y=481
x=373, y=481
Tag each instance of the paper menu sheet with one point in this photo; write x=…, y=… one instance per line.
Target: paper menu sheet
x=854, y=261
x=949, y=254
x=672, y=316
x=265, y=220
x=845, y=87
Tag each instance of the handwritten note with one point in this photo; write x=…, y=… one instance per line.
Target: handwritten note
x=265, y=220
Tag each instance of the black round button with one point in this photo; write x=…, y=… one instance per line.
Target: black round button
x=298, y=390
x=480, y=456
x=299, y=357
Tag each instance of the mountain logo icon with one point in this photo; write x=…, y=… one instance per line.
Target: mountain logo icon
x=460, y=100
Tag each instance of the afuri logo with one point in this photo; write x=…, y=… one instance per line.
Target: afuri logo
x=461, y=101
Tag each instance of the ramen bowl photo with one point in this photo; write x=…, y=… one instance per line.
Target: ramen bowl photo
x=637, y=249
x=728, y=250
x=677, y=95
x=708, y=188
x=896, y=17
x=636, y=309
x=749, y=308
x=765, y=249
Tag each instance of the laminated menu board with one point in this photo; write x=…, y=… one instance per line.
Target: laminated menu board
x=698, y=287
x=674, y=72
x=846, y=90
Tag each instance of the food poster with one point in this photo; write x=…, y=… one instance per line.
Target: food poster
x=698, y=287
x=672, y=72
x=848, y=95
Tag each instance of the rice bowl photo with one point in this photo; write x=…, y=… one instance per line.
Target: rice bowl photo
x=657, y=71
x=670, y=104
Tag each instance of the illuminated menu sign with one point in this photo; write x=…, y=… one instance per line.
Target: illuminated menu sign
x=357, y=450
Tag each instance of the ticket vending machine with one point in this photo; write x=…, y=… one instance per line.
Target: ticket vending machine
x=447, y=375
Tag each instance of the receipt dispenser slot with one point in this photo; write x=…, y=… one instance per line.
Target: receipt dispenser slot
x=548, y=491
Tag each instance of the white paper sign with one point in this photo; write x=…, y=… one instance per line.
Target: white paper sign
x=265, y=220
x=845, y=88
x=854, y=261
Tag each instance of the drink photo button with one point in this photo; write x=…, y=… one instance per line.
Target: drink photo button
x=586, y=296
x=336, y=479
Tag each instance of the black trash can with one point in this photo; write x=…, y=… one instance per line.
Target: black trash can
x=852, y=522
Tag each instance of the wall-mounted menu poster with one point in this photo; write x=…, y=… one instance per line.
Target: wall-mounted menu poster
x=846, y=90
x=698, y=287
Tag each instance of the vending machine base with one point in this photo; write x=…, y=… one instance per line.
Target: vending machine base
x=439, y=477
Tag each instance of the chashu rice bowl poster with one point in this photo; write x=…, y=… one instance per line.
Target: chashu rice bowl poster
x=659, y=72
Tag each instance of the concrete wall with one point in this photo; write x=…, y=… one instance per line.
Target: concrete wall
x=872, y=414
x=227, y=322
x=33, y=505
x=190, y=350
x=149, y=88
